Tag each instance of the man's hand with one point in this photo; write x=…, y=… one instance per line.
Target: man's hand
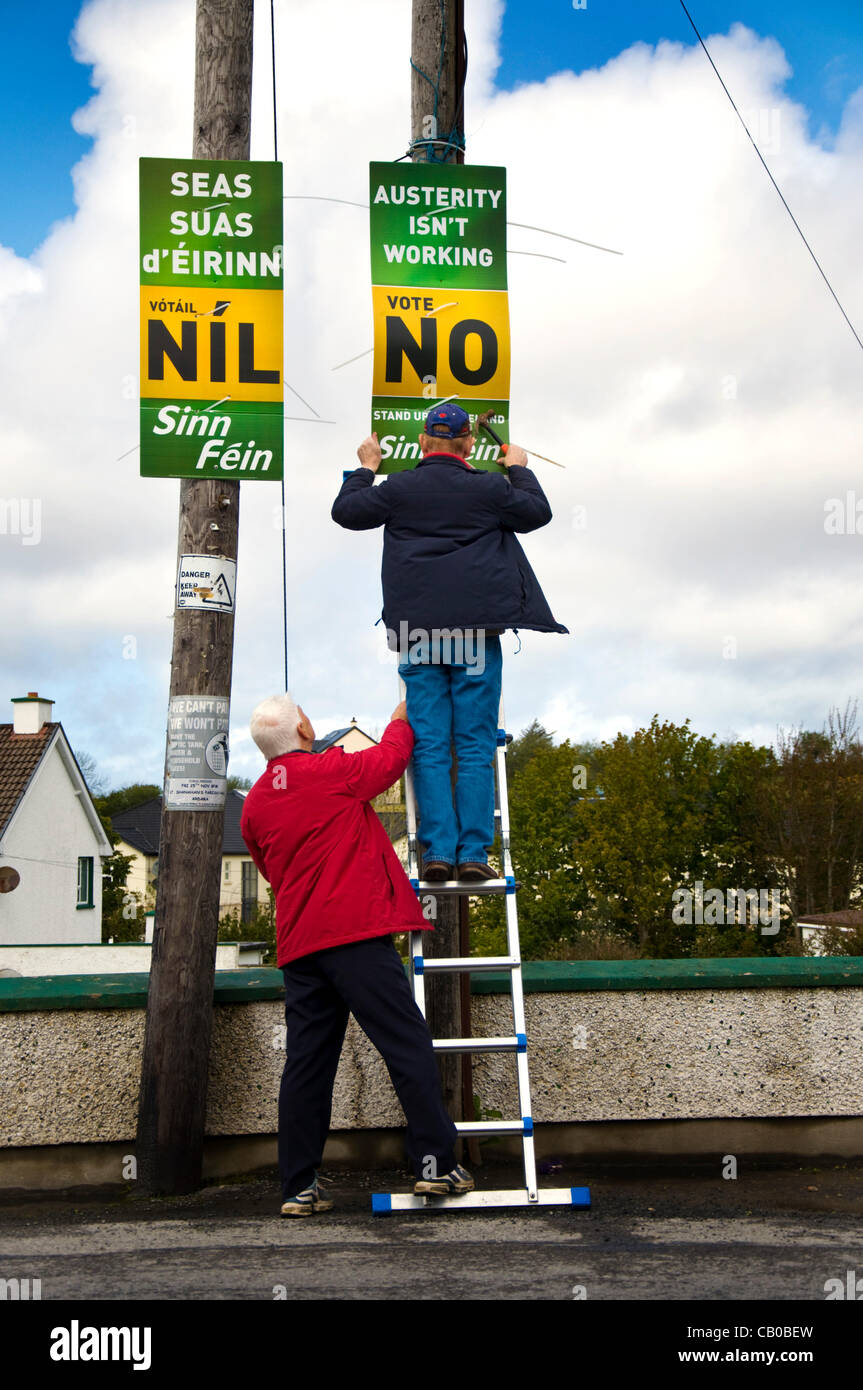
x=369, y=452
x=515, y=457
x=400, y=712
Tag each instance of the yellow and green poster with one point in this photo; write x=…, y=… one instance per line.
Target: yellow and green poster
x=441, y=313
x=211, y=319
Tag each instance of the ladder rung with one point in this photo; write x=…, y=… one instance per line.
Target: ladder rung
x=494, y=1126
x=477, y=1044
x=467, y=963
x=454, y=885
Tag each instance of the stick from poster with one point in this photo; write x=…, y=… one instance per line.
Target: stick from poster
x=441, y=311
x=211, y=319
x=196, y=765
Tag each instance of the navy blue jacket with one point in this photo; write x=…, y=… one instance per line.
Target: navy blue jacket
x=451, y=558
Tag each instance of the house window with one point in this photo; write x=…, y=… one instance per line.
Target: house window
x=250, y=891
x=85, y=882
x=227, y=870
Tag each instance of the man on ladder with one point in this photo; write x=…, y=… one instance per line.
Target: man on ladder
x=454, y=577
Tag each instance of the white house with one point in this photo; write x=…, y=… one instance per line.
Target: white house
x=242, y=888
x=813, y=926
x=51, y=839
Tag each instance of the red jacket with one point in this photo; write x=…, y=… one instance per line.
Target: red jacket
x=310, y=829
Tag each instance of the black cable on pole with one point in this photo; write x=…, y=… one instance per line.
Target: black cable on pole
x=284, y=524
x=771, y=178
x=273, y=51
x=457, y=132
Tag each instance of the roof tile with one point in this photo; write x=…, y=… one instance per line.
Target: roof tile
x=20, y=755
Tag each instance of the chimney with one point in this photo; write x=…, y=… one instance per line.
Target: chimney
x=30, y=712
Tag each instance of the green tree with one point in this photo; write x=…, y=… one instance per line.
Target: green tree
x=813, y=814
x=124, y=798
x=543, y=791
x=604, y=838
x=122, y=910
x=678, y=809
x=738, y=854
x=261, y=927
x=529, y=742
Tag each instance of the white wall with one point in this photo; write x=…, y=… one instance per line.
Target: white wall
x=107, y=959
x=48, y=832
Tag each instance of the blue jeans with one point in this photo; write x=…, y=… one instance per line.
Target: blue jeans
x=454, y=702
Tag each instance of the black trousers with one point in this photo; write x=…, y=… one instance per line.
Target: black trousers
x=366, y=979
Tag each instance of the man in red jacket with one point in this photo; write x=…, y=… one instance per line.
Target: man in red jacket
x=340, y=893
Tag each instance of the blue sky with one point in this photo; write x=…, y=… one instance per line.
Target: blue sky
x=823, y=42
x=39, y=145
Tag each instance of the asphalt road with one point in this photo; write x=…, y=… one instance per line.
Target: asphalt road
x=768, y=1235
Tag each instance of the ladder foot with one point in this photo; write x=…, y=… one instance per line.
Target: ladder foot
x=385, y=1202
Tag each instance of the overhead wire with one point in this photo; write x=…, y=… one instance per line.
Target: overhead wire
x=821, y=270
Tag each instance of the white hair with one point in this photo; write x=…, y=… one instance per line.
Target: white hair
x=273, y=726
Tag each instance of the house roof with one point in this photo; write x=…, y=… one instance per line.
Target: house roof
x=850, y=917
x=321, y=745
x=20, y=755
x=139, y=826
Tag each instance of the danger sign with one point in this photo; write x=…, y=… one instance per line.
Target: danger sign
x=206, y=581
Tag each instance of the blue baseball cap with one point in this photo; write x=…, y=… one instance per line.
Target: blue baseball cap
x=447, y=421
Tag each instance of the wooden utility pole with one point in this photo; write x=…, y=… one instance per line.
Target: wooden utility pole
x=176, y=1057
x=437, y=133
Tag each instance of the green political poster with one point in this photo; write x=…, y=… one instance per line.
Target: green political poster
x=211, y=319
x=439, y=295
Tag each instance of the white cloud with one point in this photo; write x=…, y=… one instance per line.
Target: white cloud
x=17, y=278
x=702, y=388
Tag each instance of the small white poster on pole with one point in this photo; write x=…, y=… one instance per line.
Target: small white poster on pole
x=196, y=766
x=207, y=581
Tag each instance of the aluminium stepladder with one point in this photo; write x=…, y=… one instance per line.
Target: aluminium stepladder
x=530, y=1195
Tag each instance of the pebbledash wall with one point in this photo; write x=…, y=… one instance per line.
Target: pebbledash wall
x=630, y=1058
